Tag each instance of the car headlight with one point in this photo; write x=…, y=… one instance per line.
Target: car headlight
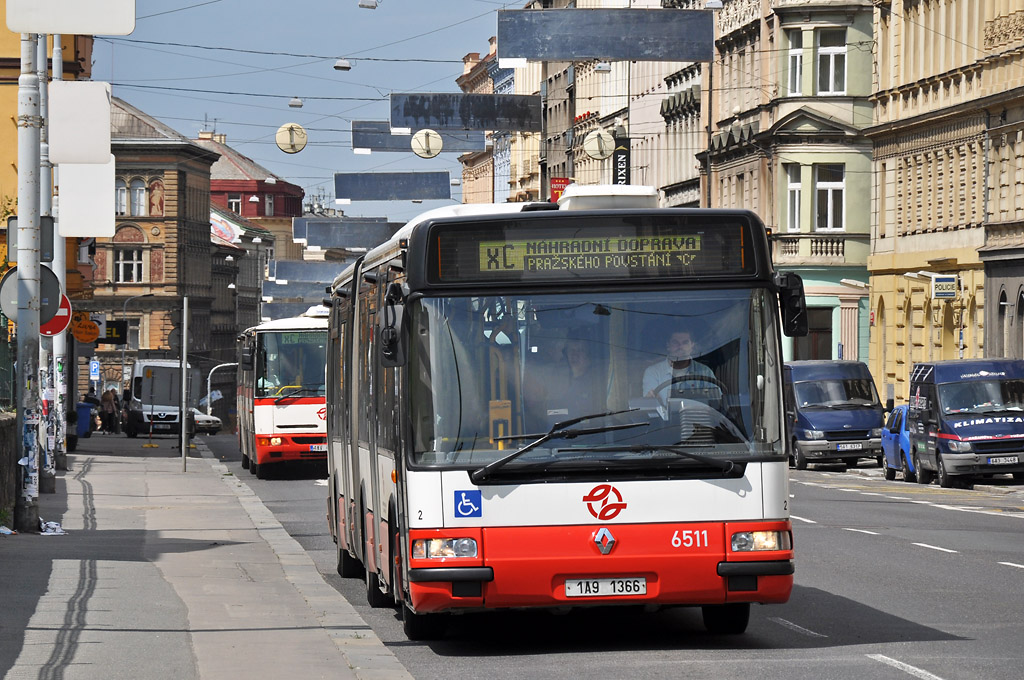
x=436, y=548
x=877, y=432
x=957, y=446
x=814, y=434
x=748, y=541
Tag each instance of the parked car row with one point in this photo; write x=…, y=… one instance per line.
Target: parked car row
x=964, y=419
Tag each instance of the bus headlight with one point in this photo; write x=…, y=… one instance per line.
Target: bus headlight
x=436, y=548
x=748, y=541
x=814, y=434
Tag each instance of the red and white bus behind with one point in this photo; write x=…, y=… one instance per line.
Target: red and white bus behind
x=281, y=391
x=532, y=407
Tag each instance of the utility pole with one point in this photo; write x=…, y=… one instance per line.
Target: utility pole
x=48, y=440
x=59, y=266
x=26, y=510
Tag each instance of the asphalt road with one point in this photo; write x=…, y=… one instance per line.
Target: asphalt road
x=893, y=580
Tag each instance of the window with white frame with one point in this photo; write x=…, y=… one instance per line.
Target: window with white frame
x=796, y=61
x=832, y=61
x=793, y=196
x=128, y=265
x=829, y=188
x=235, y=203
x=120, y=197
x=138, y=198
x=268, y=205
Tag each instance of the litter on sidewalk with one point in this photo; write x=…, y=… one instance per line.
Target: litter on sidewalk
x=4, y=531
x=50, y=528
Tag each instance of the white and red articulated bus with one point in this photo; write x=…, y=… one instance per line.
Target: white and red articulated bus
x=281, y=391
x=552, y=406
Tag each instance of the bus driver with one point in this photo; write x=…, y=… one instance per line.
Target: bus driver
x=661, y=378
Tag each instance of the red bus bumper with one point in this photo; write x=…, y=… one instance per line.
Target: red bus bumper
x=681, y=564
x=290, y=447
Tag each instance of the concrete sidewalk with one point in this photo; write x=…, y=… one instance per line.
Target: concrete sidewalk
x=170, y=574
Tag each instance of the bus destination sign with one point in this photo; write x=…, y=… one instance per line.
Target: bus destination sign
x=594, y=255
x=568, y=249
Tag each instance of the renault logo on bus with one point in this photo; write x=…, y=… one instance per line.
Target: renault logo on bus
x=604, y=502
x=605, y=541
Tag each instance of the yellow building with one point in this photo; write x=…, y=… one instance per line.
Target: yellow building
x=947, y=135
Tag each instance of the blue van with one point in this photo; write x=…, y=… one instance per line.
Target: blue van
x=966, y=418
x=833, y=412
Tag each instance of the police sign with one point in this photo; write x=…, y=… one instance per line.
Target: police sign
x=943, y=287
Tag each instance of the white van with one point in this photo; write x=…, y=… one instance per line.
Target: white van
x=155, y=400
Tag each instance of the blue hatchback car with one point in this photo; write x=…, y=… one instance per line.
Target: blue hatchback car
x=896, y=446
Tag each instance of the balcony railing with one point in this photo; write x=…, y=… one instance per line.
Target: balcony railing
x=814, y=249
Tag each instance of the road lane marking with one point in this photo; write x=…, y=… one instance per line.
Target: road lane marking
x=905, y=667
x=861, y=531
x=935, y=547
x=1013, y=564
x=803, y=519
x=870, y=493
x=799, y=629
x=899, y=498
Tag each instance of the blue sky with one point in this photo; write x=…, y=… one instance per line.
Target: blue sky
x=288, y=49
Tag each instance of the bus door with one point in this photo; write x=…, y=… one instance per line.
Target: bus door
x=503, y=351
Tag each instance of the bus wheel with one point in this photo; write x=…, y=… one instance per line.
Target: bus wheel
x=259, y=470
x=908, y=476
x=423, y=626
x=923, y=476
x=375, y=597
x=245, y=462
x=348, y=566
x=726, y=619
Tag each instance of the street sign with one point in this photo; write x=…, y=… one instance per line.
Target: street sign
x=115, y=333
x=71, y=17
x=45, y=238
x=94, y=370
x=87, y=331
x=943, y=287
x=49, y=294
x=60, y=321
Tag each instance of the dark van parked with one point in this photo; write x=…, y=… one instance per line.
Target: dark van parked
x=966, y=418
x=834, y=412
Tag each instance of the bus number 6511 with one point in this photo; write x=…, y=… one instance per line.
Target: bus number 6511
x=690, y=538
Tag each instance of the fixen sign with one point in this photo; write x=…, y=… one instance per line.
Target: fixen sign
x=620, y=161
x=943, y=287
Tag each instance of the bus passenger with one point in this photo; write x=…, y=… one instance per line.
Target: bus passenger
x=587, y=389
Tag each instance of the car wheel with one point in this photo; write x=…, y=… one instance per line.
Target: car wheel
x=1018, y=476
x=880, y=461
x=908, y=476
x=726, y=619
x=945, y=480
x=799, y=459
x=890, y=473
x=923, y=476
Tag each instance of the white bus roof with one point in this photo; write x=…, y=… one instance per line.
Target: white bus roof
x=295, y=323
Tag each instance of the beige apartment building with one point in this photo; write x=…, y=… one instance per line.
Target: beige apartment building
x=948, y=163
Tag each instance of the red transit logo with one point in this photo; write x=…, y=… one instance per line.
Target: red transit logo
x=322, y=413
x=604, y=502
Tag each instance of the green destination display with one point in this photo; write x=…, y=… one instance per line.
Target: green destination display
x=561, y=249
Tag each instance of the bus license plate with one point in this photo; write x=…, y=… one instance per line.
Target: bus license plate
x=318, y=447
x=605, y=587
x=1003, y=460
x=855, y=446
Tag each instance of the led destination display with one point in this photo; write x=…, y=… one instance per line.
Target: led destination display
x=561, y=249
x=537, y=255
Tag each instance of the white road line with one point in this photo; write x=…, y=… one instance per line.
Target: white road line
x=1013, y=564
x=841, y=488
x=799, y=629
x=861, y=531
x=899, y=498
x=905, y=667
x=922, y=502
x=803, y=519
x=935, y=547
x=870, y=493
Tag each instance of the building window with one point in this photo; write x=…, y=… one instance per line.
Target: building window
x=128, y=265
x=829, y=185
x=138, y=198
x=268, y=205
x=793, y=195
x=796, y=61
x=120, y=198
x=832, y=61
x=235, y=203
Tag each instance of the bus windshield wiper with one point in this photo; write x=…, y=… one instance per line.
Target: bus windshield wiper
x=725, y=465
x=296, y=391
x=560, y=430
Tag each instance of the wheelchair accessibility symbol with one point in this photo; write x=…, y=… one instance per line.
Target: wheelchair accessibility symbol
x=468, y=503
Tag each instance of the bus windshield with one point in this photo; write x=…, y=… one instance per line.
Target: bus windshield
x=690, y=371
x=291, y=363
